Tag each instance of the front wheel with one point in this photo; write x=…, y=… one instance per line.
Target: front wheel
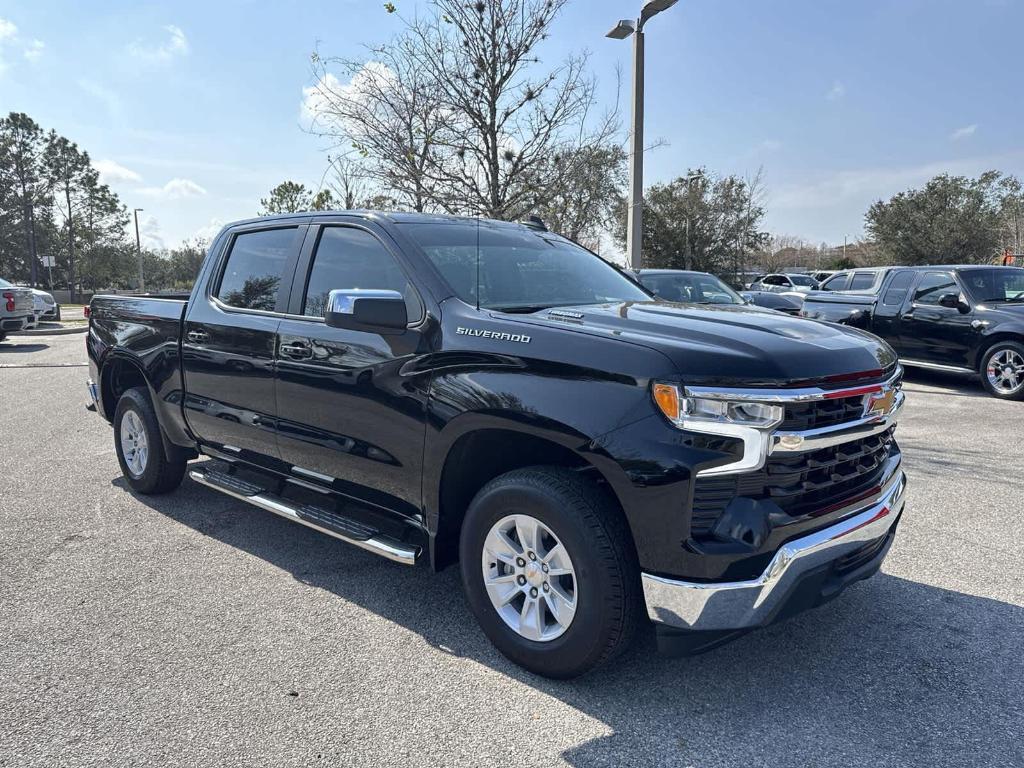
x=1002, y=370
x=140, y=448
x=549, y=571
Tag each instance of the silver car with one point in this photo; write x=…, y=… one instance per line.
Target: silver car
x=15, y=308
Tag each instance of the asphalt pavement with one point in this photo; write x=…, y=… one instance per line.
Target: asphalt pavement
x=194, y=630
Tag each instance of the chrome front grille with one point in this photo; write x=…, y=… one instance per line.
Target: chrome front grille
x=831, y=447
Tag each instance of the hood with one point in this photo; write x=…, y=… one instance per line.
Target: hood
x=731, y=344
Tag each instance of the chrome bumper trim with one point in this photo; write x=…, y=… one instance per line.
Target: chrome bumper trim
x=746, y=604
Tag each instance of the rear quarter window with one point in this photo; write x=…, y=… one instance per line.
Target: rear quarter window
x=255, y=267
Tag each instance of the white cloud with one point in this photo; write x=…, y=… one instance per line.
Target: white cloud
x=8, y=31
x=175, y=189
x=150, y=233
x=175, y=45
x=963, y=133
x=209, y=231
x=112, y=171
x=836, y=92
x=34, y=50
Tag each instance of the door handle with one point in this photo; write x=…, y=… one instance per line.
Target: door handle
x=296, y=350
x=199, y=337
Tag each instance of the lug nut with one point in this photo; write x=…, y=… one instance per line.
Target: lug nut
x=533, y=592
x=544, y=567
x=547, y=587
x=520, y=562
x=520, y=580
x=533, y=556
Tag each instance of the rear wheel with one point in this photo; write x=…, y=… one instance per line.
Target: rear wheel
x=549, y=571
x=140, y=448
x=1002, y=370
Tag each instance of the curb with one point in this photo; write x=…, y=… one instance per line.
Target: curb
x=51, y=331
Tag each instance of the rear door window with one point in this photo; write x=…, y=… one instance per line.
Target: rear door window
x=896, y=293
x=255, y=268
x=862, y=281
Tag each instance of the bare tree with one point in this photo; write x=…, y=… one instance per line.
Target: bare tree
x=457, y=113
x=389, y=113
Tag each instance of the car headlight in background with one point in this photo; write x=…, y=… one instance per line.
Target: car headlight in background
x=696, y=412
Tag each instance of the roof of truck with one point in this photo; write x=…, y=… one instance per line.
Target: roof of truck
x=395, y=217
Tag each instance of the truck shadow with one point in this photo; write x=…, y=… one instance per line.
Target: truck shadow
x=893, y=673
x=10, y=345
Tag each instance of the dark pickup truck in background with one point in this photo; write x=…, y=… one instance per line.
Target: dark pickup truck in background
x=436, y=389
x=968, y=319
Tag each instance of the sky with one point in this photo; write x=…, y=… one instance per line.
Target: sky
x=193, y=110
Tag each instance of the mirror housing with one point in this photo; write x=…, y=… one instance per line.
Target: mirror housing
x=363, y=309
x=949, y=300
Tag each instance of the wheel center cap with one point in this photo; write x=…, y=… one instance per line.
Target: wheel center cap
x=534, y=574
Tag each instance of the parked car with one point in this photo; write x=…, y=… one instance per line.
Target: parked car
x=15, y=308
x=45, y=307
x=781, y=283
x=822, y=274
x=955, y=318
x=703, y=288
x=436, y=389
x=790, y=303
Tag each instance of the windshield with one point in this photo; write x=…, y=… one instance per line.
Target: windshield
x=691, y=288
x=802, y=280
x=519, y=269
x=995, y=284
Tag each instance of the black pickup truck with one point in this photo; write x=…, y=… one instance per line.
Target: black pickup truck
x=437, y=389
x=968, y=319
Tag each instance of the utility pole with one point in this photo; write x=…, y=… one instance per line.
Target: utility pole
x=635, y=213
x=138, y=250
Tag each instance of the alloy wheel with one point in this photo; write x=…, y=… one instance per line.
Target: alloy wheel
x=529, y=577
x=134, y=443
x=1005, y=371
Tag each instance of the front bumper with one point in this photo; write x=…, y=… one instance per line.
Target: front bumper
x=740, y=605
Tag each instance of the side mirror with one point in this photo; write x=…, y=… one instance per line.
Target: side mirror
x=949, y=300
x=366, y=310
x=747, y=297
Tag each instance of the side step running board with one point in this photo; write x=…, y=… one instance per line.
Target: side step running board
x=317, y=518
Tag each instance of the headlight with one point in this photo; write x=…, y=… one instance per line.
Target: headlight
x=683, y=411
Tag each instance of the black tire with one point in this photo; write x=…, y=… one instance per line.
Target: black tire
x=993, y=351
x=591, y=527
x=160, y=474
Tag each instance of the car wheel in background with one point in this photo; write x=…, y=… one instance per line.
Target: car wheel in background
x=549, y=571
x=140, y=449
x=1002, y=370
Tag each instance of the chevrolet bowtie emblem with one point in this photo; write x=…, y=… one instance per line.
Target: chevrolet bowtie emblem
x=880, y=404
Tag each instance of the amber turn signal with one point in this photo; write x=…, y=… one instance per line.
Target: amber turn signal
x=667, y=398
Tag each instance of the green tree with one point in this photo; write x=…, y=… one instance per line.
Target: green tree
x=28, y=190
x=699, y=222
x=286, y=197
x=72, y=179
x=952, y=219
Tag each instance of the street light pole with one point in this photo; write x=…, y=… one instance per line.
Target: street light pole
x=138, y=250
x=635, y=212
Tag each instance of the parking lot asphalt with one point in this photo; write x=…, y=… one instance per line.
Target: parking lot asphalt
x=194, y=630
